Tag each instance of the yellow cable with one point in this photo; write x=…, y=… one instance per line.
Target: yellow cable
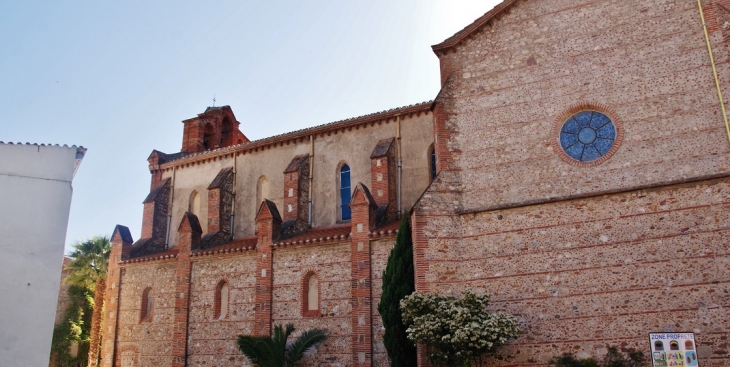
x=714, y=70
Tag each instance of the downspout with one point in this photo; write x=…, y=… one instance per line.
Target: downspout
x=400, y=164
x=714, y=70
x=311, y=179
x=169, y=209
x=233, y=202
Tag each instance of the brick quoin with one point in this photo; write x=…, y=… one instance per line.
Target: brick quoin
x=363, y=221
x=383, y=171
x=121, y=239
x=268, y=223
x=296, y=192
x=189, y=237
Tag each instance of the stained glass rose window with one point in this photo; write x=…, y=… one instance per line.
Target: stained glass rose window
x=587, y=136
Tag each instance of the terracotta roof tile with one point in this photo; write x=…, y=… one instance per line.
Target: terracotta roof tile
x=322, y=234
x=382, y=148
x=373, y=117
x=237, y=245
x=167, y=254
x=220, y=178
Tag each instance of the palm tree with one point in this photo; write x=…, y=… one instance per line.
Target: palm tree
x=266, y=351
x=90, y=261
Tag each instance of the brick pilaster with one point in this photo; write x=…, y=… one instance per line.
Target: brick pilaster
x=363, y=221
x=383, y=171
x=220, y=197
x=121, y=240
x=268, y=223
x=189, y=237
x=296, y=194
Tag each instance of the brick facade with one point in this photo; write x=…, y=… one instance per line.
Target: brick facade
x=584, y=255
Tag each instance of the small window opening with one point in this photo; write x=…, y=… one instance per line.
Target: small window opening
x=345, y=193
x=146, y=307
x=432, y=158
x=226, y=138
x=208, y=137
x=311, y=296
x=194, y=205
x=221, y=300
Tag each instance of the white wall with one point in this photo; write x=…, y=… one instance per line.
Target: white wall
x=35, y=198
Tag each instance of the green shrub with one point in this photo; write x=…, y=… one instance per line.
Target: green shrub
x=456, y=330
x=398, y=282
x=614, y=358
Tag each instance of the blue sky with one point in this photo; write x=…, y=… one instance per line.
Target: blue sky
x=119, y=77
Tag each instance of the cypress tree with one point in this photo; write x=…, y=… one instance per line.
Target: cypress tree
x=398, y=282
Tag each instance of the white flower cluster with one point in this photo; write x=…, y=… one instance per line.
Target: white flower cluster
x=456, y=329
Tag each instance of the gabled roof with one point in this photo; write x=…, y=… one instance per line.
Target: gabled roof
x=366, y=193
x=192, y=220
x=296, y=162
x=381, y=149
x=271, y=207
x=471, y=28
x=124, y=234
x=220, y=178
x=299, y=134
x=153, y=194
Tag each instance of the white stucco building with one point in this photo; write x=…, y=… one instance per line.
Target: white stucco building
x=35, y=192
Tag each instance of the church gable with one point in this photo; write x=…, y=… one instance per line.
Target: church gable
x=516, y=83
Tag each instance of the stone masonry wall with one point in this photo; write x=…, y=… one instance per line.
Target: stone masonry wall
x=212, y=342
x=331, y=264
x=645, y=60
x=582, y=274
x=148, y=343
x=379, y=252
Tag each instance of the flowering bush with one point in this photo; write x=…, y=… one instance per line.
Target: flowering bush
x=456, y=330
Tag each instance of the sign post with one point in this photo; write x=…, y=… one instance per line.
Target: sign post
x=673, y=350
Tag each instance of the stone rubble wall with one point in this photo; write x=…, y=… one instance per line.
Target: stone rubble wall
x=149, y=343
x=331, y=264
x=213, y=341
x=583, y=274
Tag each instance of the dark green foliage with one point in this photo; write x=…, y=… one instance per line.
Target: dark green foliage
x=632, y=358
x=614, y=358
x=75, y=327
x=266, y=351
x=398, y=282
x=569, y=360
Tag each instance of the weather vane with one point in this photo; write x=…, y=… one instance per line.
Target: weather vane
x=213, y=100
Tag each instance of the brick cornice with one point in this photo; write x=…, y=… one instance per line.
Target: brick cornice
x=296, y=136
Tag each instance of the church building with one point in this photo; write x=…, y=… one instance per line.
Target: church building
x=575, y=165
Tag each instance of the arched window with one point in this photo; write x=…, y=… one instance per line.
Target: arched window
x=220, y=308
x=345, y=193
x=310, y=299
x=208, y=137
x=262, y=191
x=227, y=129
x=194, y=204
x=146, y=306
x=432, y=162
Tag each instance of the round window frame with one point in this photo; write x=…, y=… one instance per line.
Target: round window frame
x=582, y=107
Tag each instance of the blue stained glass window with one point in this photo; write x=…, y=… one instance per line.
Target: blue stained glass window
x=587, y=136
x=345, y=192
x=433, y=164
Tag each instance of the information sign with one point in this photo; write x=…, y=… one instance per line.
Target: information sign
x=673, y=350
